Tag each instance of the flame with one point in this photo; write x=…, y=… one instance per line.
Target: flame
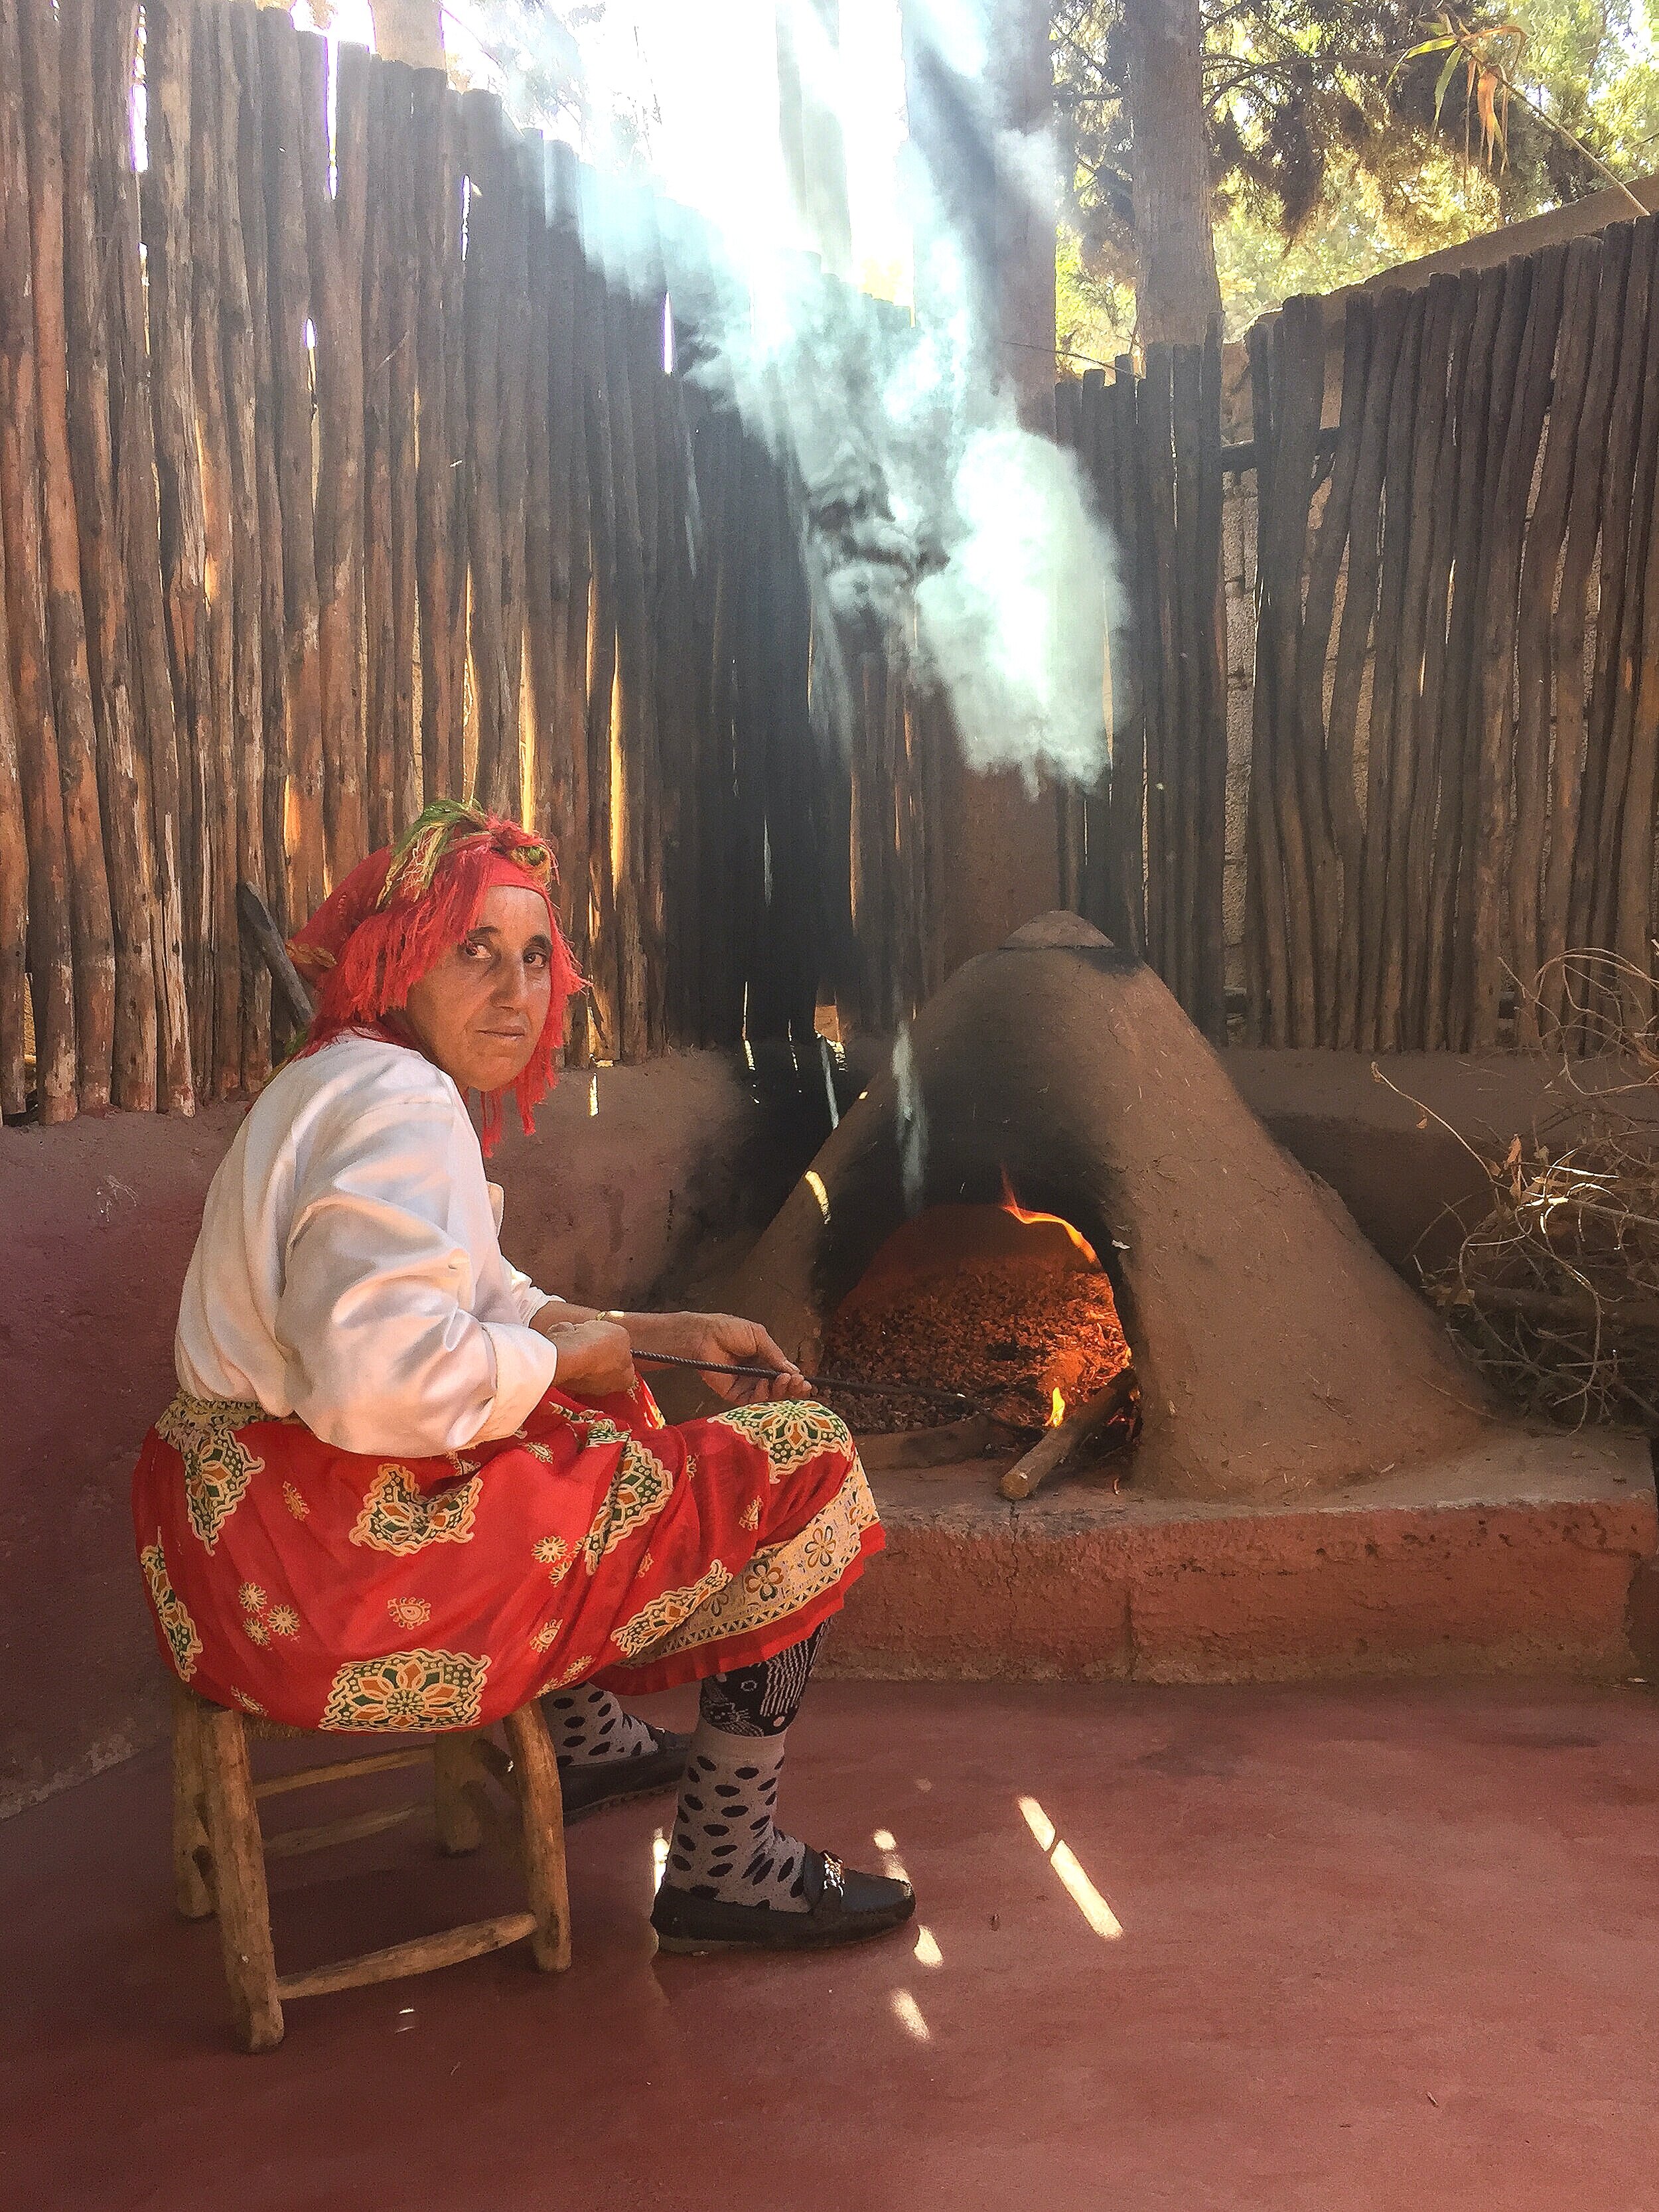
x=1057, y=1410
x=1011, y=1204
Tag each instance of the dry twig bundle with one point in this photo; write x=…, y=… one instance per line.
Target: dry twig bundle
x=1555, y=1292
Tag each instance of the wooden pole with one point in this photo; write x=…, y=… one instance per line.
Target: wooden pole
x=272, y=798
x=1616, y=885
x=1353, y=648
x=1506, y=522
x=243, y=842
x=544, y=589
x=1159, y=671
x=1569, y=623
x=1210, y=652
x=1388, y=770
x=713, y=440
x=401, y=300
x=1631, y=934
x=90, y=923
x=1192, y=611
x=1129, y=790
x=167, y=209
x=1424, y=581
x=1587, y=912
x=487, y=250
x=123, y=783
x=14, y=889
x=436, y=212
x=137, y=530
x=1296, y=372
x=334, y=231
x=561, y=760
x=1421, y=988
x=1536, y=633
x=650, y=777
x=1266, y=954
x=573, y=863
x=288, y=278
x=631, y=738
x=511, y=461
x=1486, y=287
x=220, y=826
x=50, y=946
x=602, y=970
x=380, y=782
x=1341, y=514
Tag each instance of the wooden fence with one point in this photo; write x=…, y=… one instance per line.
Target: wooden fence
x=336, y=474
x=1456, y=732
x=1453, y=759
x=1143, y=855
x=337, y=471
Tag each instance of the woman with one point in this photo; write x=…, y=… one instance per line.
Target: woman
x=403, y=1488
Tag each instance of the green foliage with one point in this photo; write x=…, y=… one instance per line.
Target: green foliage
x=1331, y=153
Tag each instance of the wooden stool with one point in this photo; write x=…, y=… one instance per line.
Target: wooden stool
x=219, y=1850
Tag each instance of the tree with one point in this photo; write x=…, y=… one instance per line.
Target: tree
x=1177, y=290
x=1328, y=154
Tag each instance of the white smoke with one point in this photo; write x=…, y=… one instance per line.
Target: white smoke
x=910, y=1117
x=922, y=495
x=1012, y=622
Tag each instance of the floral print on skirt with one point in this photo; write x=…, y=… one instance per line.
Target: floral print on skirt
x=337, y=1590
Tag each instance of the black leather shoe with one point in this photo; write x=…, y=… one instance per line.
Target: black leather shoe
x=589, y=1785
x=847, y=1908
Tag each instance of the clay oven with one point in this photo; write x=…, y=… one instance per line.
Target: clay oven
x=1279, y=1358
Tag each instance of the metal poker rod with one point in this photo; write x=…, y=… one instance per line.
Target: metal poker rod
x=813, y=1382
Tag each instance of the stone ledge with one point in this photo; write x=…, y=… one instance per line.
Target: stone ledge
x=1516, y=1556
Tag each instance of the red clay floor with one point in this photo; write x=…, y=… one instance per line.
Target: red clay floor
x=1309, y=1950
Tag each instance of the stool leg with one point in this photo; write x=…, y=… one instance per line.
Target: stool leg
x=239, y=1866
x=541, y=1806
x=192, y=1860
x=452, y=1767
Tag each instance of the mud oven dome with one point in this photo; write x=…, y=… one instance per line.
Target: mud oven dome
x=1278, y=1355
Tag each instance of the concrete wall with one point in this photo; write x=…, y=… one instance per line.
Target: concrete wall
x=97, y=1222
x=1391, y=1148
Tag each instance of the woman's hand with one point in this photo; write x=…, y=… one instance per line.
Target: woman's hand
x=595, y=1357
x=727, y=1340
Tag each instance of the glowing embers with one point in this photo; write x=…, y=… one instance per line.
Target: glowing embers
x=1010, y=1306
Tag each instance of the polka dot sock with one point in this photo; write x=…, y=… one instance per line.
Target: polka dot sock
x=725, y=1843
x=587, y=1723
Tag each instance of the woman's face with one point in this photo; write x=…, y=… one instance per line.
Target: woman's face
x=479, y=1012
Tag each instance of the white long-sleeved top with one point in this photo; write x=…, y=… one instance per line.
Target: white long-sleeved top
x=348, y=1271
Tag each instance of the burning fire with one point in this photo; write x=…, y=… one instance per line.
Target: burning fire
x=1057, y=1410
x=1011, y=1204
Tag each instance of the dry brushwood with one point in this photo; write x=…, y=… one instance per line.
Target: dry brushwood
x=1555, y=1292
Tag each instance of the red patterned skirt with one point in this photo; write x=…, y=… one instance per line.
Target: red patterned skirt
x=335, y=1589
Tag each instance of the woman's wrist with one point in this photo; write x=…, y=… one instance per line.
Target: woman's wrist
x=657, y=1333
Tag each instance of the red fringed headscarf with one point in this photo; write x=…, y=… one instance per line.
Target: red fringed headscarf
x=399, y=911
